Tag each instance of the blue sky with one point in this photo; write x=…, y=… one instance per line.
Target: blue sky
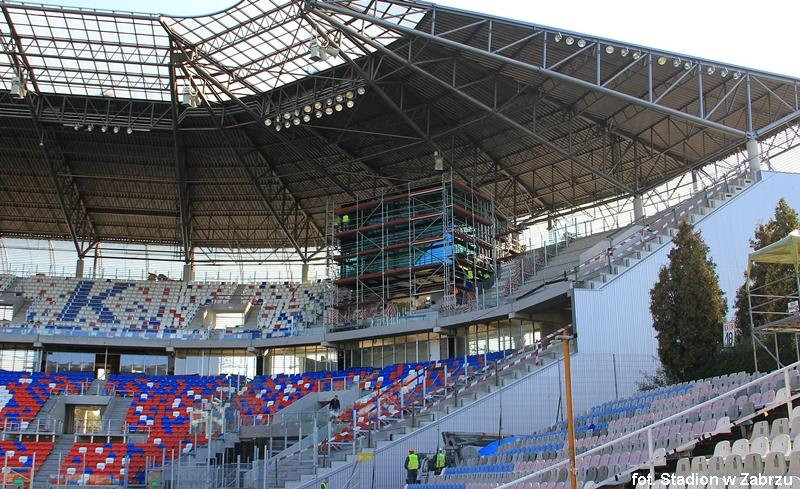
x=760, y=35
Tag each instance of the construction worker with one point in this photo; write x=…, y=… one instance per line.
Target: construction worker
x=324, y=484
x=412, y=466
x=469, y=281
x=345, y=220
x=441, y=462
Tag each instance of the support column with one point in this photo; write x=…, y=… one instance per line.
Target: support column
x=79, y=268
x=754, y=159
x=188, y=272
x=304, y=273
x=638, y=208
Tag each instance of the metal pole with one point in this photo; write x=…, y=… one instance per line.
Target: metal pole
x=570, y=420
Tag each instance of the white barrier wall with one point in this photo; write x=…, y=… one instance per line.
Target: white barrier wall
x=616, y=318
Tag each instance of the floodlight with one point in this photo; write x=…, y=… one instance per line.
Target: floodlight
x=318, y=114
x=687, y=65
x=637, y=55
x=316, y=53
x=116, y=129
x=332, y=51
x=349, y=104
x=287, y=124
x=662, y=60
x=339, y=98
x=736, y=75
x=723, y=72
x=361, y=90
x=104, y=128
x=623, y=52
x=557, y=37
x=129, y=130
x=570, y=41
x=277, y=127
x=296, y=112
x=90, y=127
x=287, y=115
x=710, y=70
x=267, y=121
x=76, y=127
x=438, y=161
x=349, y=94
x=338, y=107
x=306, y=118
x=581, y=43
x=18, y=89
x=296, y=121
x=328, y=110
x=329, y=101
x=317, y=105
x=676, y=62
x=609, y=49
x=307, y=109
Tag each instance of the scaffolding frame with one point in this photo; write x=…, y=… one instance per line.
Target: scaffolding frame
x=435, y=237
x=781, y=310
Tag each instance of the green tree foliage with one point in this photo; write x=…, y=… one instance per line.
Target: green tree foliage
x=740, y=358
x=688, y=309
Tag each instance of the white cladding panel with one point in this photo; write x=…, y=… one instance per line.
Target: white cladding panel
x=616, y=318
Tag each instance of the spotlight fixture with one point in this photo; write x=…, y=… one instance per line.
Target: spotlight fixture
x=18, y=89
x=129, y=130
x=307, y=109
x=349, y=95
x=662, y=60
x=723, y=72
x=349, y=104
x=316, y=53
x=676, y=62
x=90, y=127
x=438, y=161
x=306, y=118
x=318, y=114
x=623, y=52
x=277, y=121
x=581, y=43
x=637, y=55
x=317, y=105
x=557, y=37
x=296, y=121
x=277, y=128
x=76, y=127
x=191, y=97
x=338, y=107
x=267, y=122
x=609, y=49
x=104, y=128
x=296, y=112
x=332, y=50
x=710, y=70
x=116, y=129
x=329, y=101
x=736, y=75
x=328, y=110
x=287, y=115
x=570, y=41
x=687, y=65
x=287, y=124
x=361, y=90
x=339, y=98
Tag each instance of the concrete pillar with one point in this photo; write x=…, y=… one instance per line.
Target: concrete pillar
x=304, y=273
x=188, y=272
x=638, y=208
x=754, y=159
x=79, y=268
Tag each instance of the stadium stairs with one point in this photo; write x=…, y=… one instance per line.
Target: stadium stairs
x=585, y=260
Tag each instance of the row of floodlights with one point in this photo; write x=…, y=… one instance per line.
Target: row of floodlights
x=637, y=54
x=90, y=128
x=317, y=109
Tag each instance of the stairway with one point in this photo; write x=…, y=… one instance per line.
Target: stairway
x=41, y=480
x=661, y=228
x=115, y=413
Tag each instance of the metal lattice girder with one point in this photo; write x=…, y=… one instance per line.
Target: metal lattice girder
x=782, y=91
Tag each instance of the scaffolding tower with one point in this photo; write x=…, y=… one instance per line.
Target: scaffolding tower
x=435, y=240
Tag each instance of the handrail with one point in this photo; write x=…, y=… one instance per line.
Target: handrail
x=649, y=428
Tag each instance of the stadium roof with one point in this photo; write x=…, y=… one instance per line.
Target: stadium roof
x=148, y=128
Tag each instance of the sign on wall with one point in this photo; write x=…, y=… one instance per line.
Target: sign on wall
x=729, y=334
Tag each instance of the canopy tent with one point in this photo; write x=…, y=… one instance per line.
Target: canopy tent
x=783, y=252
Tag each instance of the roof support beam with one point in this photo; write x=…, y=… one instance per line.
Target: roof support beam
x=262, y=191
x=184, y=206
x=556, y=148
x=540, y=70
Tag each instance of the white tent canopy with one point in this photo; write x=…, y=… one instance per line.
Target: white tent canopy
x=785, y=251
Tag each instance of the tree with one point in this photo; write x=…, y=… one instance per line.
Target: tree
x=688, y=309
x=740, y=358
